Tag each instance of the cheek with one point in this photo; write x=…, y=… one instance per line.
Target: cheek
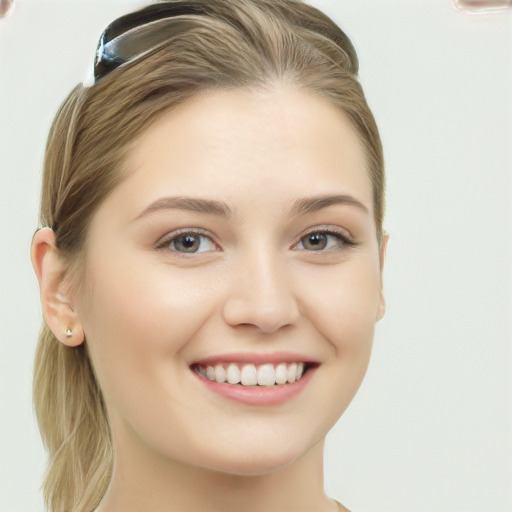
x=344, y=310
x=135, y=321
x=345, y=306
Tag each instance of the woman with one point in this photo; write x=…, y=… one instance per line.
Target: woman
x=210, y=261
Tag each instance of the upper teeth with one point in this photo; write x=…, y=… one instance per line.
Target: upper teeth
x=250, y=375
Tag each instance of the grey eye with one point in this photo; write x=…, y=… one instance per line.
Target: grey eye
x=323, y=241
x=315, y=241
x=191, y=243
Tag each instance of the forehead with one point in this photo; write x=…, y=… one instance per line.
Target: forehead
x=233, y=143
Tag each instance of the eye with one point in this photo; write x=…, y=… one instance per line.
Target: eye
x=188, y=242
x=322, y=241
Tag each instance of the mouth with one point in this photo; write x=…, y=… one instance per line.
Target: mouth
x=268, y=374
x=255, y=380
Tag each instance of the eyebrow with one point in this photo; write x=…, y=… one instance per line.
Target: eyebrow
x=314, y=204
x=191, y=204
x=209, y=206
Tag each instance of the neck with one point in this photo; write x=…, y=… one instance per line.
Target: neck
x=149, y=483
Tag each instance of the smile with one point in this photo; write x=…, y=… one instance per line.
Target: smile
x=253, y=375
x=256, y=380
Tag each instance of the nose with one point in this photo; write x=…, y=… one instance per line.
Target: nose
x=261, y=295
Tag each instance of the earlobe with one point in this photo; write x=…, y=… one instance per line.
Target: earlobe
x=382, y=301
x=56, y=304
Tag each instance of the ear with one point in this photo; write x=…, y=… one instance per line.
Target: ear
x=382, y=301
x=55, y=292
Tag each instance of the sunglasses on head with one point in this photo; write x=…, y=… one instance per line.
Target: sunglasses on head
x=136, y=34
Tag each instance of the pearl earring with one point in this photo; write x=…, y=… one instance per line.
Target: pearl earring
x=68, y=332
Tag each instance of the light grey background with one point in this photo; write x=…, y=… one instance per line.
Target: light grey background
x=431, y=429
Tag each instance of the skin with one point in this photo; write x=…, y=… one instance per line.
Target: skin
x=148, y=311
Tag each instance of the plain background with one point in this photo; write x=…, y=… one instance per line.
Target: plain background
x=431, y=429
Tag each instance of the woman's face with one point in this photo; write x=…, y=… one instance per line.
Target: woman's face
x=243, y=234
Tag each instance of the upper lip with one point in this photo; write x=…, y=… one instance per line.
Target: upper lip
x=256, y=358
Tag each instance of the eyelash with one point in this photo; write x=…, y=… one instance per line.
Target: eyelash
x=342, y=239
x=172, y=238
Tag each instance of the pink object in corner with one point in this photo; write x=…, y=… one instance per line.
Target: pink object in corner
x=482, y=6
x=6, y=7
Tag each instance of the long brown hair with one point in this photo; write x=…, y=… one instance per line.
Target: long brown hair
x=252, y=44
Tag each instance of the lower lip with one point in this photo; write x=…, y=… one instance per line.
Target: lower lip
x=258, y=395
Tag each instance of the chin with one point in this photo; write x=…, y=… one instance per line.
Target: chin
x=252, y=468
x=260, y=462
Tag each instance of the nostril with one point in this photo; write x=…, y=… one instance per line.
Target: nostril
x=267, y=317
